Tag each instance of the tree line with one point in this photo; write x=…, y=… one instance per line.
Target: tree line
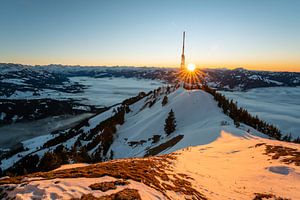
x=241, y=115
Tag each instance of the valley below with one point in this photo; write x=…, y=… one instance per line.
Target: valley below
x=13, y=134
x=97, y=92
x=276, y=105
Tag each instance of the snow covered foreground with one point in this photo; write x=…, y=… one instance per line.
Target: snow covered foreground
x=231, y=167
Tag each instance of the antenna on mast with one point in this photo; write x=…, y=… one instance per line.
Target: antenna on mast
x=182, y=65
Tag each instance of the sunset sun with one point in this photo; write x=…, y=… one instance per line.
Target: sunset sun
x=191, y=67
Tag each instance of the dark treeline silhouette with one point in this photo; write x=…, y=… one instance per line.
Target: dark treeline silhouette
x=103, y=134
x=241, y=115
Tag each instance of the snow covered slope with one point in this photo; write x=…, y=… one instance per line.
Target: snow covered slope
x=199, y=121
x=231, y=167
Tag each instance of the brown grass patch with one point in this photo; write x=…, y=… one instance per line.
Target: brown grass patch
x=105, y=186
x=290, y=155
x=170, y=143
x=126, y=194
x=149, y=171
x=260, y=196
x=260, y=144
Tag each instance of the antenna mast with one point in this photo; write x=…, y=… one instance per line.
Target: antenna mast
x=182, y=65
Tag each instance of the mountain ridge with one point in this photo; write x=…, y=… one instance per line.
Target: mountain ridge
x=130, y=129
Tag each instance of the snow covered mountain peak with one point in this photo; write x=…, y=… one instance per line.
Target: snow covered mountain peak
x=199, y=121
x=198, y=118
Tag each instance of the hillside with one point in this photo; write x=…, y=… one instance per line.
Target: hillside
x=231, y=167
x=134, y=128
x=199, y=121
x=208, y=155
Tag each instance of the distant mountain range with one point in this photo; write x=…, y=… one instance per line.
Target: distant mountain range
x=38, y=90
x=241, y=79
x=15, y=78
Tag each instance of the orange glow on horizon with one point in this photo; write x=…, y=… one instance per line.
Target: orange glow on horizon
x=260, y=66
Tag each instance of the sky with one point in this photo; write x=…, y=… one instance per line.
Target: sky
x=256, y=34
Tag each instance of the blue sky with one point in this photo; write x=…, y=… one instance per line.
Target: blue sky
x=257, y=34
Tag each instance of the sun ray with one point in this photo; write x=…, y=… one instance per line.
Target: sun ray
x=191, y=76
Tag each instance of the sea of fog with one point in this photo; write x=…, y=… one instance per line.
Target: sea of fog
x=109, y=91
x=13, y=134
x=99, y=92
x=277, y=105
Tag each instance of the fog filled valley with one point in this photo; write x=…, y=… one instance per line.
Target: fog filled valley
x=277, y=105
x=90, y=132
x=98, y=92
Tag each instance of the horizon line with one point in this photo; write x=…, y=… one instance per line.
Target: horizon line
x=144, y=66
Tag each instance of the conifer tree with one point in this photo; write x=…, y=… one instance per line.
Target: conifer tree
x=49, y=162
x=170, y=123
x=164, y=101
x=287, y=138
x=297, y=140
